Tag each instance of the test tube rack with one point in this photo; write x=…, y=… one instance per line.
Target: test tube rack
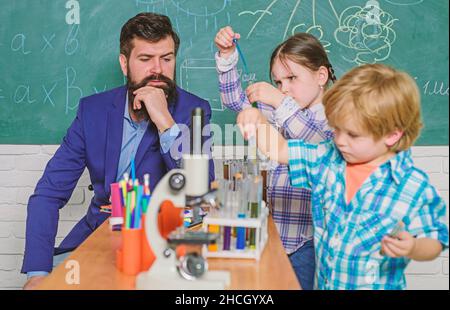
x=260, y=224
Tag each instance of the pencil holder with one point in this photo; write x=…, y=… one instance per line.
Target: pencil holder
x=131, y=251
x=147, y=255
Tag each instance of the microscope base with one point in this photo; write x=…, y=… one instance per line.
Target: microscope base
x=211, y=280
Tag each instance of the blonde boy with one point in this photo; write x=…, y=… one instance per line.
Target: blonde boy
x=373, y=211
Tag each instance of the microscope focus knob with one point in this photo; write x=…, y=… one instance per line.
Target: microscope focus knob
x=177, y=181
x=192, y=266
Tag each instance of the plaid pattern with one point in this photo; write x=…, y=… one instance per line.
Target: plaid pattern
x=290, y=206
x=347, y=238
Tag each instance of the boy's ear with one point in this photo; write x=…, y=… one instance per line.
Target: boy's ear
x=393, y=137
x=123, y=64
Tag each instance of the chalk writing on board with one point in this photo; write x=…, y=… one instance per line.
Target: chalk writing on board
x=198, y=76
x=370, y=42
x=366, y=31
x=44, y=94
x=150, y=5
x=200, y=8
x=22, y=95
x=431, y=88
x=97, y=91
x=254, y=13
x=404, y=2
x=290, y=19
x=48, y=93
x=71, y=76
x=18, y=43
x=250, y=77
x=72, y=41
x=263, y=12
x=48, y=42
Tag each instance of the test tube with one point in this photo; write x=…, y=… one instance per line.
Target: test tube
x=213, y=229
x=255, y=196
x=234, y=200
x=226, y=238
x=226, y=169
x=226, y=211
x=241, y=197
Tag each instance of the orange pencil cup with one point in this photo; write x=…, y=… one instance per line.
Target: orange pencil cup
x=131, y=251
x=119, y=259
x=147, y=255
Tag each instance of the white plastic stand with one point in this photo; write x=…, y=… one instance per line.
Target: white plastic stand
x=260, y=224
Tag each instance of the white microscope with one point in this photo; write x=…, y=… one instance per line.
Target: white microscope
x=183, y=187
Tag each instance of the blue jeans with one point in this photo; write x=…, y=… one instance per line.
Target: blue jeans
x=303, y=262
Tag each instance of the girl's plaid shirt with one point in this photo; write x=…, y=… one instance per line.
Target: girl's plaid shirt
x=290, y=206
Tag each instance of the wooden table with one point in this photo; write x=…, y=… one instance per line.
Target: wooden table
x=97, y=261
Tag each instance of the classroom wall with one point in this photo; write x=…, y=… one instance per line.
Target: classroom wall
x=21, y=166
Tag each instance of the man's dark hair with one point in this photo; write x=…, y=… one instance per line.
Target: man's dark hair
x=148, y=26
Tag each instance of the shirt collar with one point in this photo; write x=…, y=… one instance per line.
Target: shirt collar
x=126, y=113
x=126, y=116
x=400, y=165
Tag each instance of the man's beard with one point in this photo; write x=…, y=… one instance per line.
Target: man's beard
x=169, y=89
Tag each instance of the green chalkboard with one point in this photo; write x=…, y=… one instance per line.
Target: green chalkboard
x=47, y=63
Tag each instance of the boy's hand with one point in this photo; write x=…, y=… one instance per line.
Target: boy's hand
x=249, y=120
x=402, y=244
x=224, y=41
x=265, y=93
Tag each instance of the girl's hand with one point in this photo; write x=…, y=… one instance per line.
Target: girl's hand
x=401, y=245
x=249, y=120
x=265, y=93
x=224, y=41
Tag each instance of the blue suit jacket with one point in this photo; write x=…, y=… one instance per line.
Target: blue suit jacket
x=94, y=141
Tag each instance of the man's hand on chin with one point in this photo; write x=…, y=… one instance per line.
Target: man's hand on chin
x=156, y=104
x=33, y=282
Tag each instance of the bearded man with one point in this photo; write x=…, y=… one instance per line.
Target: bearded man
x=140, y=121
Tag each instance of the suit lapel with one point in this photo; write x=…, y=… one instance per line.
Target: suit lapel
x=114, y=137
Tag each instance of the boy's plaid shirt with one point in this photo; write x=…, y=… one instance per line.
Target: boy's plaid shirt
x=347, y=238
x=290, y=206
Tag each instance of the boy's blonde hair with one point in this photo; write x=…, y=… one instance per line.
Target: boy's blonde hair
x=381, y=99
